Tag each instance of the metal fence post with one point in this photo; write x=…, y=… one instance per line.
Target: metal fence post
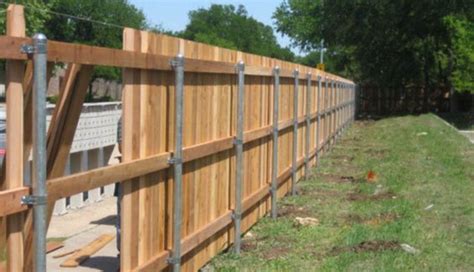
x=295, y=131
x=346, y=106
x=326, y=113
x=336, y=112
x=318, y=128
x=308, y=123
x=239, y=155
x=331, y=115
x=340, y=109
x=39, y=150
x=177, y=161
x=354, y=105
x=276, y=94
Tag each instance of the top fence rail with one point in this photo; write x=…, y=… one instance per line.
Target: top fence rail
x=94, y=55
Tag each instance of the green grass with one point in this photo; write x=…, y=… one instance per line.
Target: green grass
x=419, y=159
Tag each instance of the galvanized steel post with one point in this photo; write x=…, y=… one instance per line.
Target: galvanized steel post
x=336, y=111
x=318, y=128
x=308, y=123
x=339, y=108
x=276, y=94
x=295, y=131
x=344, y=106
x=354, y=105
x=239, y=138
x=333, y=107
x=177, y=161
x=326, y=123
x=39, y=150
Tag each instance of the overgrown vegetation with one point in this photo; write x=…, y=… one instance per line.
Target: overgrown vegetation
x=231, y=27
x=388, y=44
x=87, y=21
x=418, y=195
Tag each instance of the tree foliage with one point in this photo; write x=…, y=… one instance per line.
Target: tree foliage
x=111, y=13
x=461, y=37
x=231, y=27
x=385, y=43
x=35, y=16
x=86, y=21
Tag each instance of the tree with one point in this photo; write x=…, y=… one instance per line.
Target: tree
x=93, y=22
x=102, y=25
x=461, y=38
x=36, y=16
x=387, y=44
x=231, y=27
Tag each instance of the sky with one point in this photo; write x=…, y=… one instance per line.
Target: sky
x=173, y=14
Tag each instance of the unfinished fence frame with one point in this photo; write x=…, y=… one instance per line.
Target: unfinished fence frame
x=258, y=114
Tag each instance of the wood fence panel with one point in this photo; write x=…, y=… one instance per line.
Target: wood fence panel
x=210, y=105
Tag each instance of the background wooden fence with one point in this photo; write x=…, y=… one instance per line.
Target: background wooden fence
x=373, y=101
x=324, y=107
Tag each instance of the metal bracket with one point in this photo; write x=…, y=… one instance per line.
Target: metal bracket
x=275, y=130
x=175, y=160
x=177, y=61
x=174, y=260
x=236, y=216
x=276, y=70
x=238, y=141
x=27, y=49
x=32, y=200
x=296, y=73
x=240, y=67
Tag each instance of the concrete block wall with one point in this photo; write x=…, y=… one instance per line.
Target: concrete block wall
x=94, y=146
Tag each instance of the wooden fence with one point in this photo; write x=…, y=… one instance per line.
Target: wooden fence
x=323, y=107
x=372, y=101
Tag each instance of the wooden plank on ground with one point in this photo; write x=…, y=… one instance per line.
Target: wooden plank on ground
x=87, y=251
x=64, y=254
x=53, y=246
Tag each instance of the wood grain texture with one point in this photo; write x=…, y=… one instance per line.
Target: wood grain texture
x=15, y=71
x=86, y=252
x=60, y=136
x=210, y=93
x=94, y=55
x=10, y=200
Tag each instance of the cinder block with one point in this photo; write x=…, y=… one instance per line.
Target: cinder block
x=76, y=161
x=94, y=161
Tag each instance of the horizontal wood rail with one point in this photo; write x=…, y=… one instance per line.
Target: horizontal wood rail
x=84, y=181
x=10, y=201
x=191, y=241
x=94, y=55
